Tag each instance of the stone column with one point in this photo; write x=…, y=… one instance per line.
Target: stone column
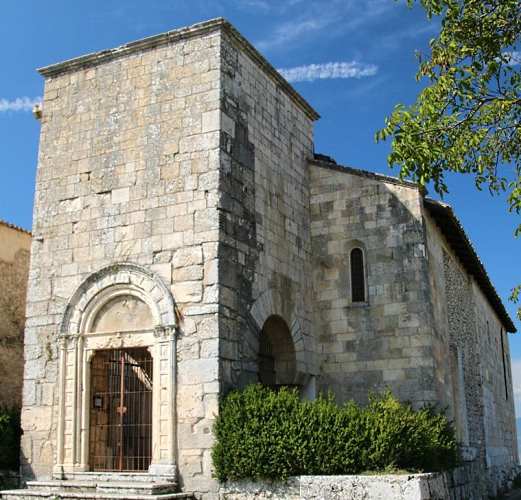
x=163, y=416
x=87, y=356
x=62, y=370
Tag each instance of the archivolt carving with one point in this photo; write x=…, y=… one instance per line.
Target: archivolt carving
x=111, y=282
x=105, y=294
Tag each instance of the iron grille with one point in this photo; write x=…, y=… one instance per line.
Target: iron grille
x=121, y=410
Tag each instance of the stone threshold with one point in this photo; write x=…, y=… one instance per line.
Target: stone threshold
x=64, y=495
x=100, y=486
x=103, y=486
x=115, y=477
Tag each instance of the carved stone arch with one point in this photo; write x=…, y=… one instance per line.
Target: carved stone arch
x=265, y=307
x=111, y=281
x=140, y=313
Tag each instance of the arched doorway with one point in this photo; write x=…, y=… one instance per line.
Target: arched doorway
x=277, y=360
x=121, y=382
x=117, y=375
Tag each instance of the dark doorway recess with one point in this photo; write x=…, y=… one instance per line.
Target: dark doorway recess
x=277, y=361
x=121, y=410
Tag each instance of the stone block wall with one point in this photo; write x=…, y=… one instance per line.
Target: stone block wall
x=264, y=254
x=15, y=244
x=472, y=357
x=128, y=172
x=387, y=341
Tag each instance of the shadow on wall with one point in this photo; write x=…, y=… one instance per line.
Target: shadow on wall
x=277, y=360
x=371, y=316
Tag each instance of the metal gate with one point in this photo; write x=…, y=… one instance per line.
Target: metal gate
x=121, y=410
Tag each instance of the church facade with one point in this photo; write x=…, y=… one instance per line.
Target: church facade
x=187, y=241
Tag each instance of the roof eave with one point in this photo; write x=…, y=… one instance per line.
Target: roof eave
x=15, y=227
x=332, y=165
x=458, y=240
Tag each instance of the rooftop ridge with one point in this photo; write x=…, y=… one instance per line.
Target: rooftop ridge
x=332, y=165
x=197, y=29
x=15, y=227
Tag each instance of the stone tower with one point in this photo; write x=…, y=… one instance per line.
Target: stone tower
x=171, y=221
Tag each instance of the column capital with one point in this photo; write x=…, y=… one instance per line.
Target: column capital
x=165, y=332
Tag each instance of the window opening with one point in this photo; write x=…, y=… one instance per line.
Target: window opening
x=357, y=276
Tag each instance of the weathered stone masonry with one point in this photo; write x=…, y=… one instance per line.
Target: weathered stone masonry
x=473, y=372
x=180, y=209
x=386, y=341
x=265, y=266
x=127, y=174
x=14, y=267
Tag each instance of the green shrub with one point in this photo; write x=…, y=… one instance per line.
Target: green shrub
x=9, y=439
x=402, y=438
x=263, y=434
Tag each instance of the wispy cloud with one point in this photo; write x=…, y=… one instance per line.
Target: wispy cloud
x=19, y=104
x=254, y=4
x=291, y=31
x=327, y=71
x=275, y=6
x=325, y=18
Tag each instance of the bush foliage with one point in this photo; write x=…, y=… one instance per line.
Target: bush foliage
x=263, y=434
x=9, y=439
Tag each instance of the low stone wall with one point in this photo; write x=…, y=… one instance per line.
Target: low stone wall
x=459, y=484
x=385, y=487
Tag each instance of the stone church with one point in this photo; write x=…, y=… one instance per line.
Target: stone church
x=187, y=240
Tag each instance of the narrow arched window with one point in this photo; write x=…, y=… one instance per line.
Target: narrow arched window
x=357, y=276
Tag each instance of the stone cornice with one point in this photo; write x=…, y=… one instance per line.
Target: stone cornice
x=195, y=30
x=332, y=165
x=265, y=65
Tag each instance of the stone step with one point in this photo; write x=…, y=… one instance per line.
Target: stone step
x=115, y=476
x=89, y=495
x=99, y=487
x=130, y=487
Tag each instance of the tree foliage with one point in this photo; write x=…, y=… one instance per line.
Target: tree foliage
x=468, y=118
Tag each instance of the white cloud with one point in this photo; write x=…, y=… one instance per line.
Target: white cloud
x=327, y=71
x=19, y=104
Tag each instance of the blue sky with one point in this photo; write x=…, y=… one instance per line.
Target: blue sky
x=355, y=60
